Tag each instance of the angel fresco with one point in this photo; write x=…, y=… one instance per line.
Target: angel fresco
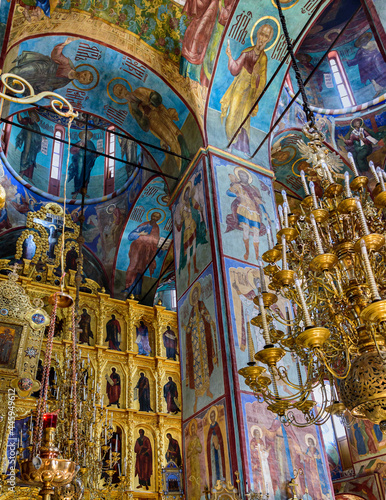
x=248, y=209
x=250, y=72
x=49, y=73
x=30, y=142
x=149, y=112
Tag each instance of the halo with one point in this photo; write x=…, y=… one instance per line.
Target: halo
x=196, y=286
x=291, y=150
x=96, y=77
x=163, y=199
x=241, y=169
x=194, y=421
x=309, y=436
x=110, y=209
x=254, y=428
x=354, y=120
x=82, y=135
x=278, y=31
x=188, y=185
x=108, y=89
x=159, y=210
x=303, y=158
x=213, y=408
x=285, y=1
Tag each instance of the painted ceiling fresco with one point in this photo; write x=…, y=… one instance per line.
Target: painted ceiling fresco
x=359, y=58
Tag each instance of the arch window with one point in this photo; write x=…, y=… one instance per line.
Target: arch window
x=109, y=162
x=341, y=81
x=56, y=161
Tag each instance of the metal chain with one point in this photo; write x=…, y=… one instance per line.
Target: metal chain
x=41, y=407
x=306, y=107
x=74, y=384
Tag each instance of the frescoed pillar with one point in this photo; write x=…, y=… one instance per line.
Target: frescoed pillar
x=376, y=14
x=222, y=212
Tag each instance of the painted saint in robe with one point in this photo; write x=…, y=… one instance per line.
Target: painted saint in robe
x=317, y=485
x=150, y=113
x=194, y=450
x=207, y=19
x=79, y=169
x=170, y=343
x=215, y=450
x=201, y=346
x=113, y=333
x=144, y=241
x=250, y=72
x=193, y=229
x=144, y=460
x=142, y=339
x=30, y=142
x=362, y=140
x=170, y=395
x=248, y=209
x=173, y=453
x=7, y=338
x=49, y=72
x=85, y=325
x=143, y=387
x=113, y=387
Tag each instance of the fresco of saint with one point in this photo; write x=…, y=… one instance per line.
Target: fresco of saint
x=171, y=343
x=173, y=453
x=49, y=72
x=79, y=170
x=202, y=36
x=193, y=229
x=85, y=325
x=215, y=450
x=7, y=338
x=201, y=346
x=143, y=388
x=170, y=395
x=142, y=250
x=250, y=72
x=247, y=209
x=194, y=450
x=149, y=112
x=362, y=140
x=30, y=142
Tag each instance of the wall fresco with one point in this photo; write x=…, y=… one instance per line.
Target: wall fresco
x=201, y=369
x=246, y=210
x=206, y=450
x=275, y=451
x=191, y=235
x=140, y=248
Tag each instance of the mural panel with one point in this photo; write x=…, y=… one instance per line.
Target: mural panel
x=201, y=370
x=191, y=235
x=206, y=450
x=274, y=451
x=365, y=440
x=147, y=107
x=246, y=210
x=140, y=248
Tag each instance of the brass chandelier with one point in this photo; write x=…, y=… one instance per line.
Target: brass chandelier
x=328, y=264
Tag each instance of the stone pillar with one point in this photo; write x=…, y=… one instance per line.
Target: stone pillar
x=221, y=212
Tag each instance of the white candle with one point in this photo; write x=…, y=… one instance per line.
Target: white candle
x=80, y=409
x=262, y=277
x=369, y=273
x=285, y=214
x=328, y=173
x=280, y=210
x=381, y=180
x=362, y=218
x=102, y=404
x=318, y=241
x=90, y=432
x=314, y=199
x=347, y=184
x=304, y=182
x=105, y=435
x=303, y=303
x=116, y=442
x=354, y=168
x=269, y=237
x=125, y=466
x=284, y=195
x=71, y=428
x=284, y=252
x=373, y=171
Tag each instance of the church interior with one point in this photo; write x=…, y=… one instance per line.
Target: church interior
x=193, y=249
